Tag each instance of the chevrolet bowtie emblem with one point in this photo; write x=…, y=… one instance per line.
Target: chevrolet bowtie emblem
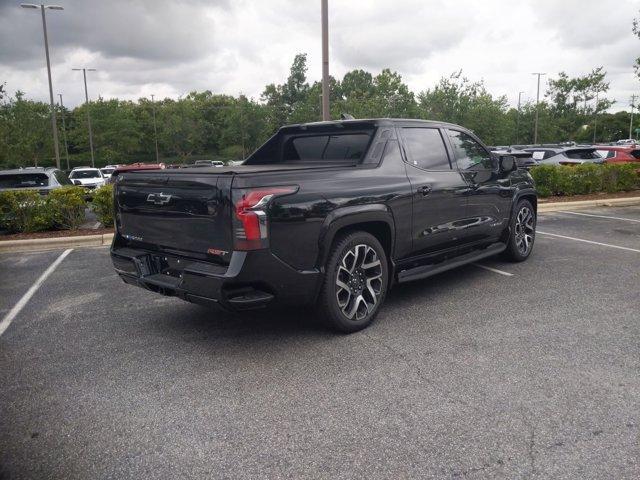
x=158, y=198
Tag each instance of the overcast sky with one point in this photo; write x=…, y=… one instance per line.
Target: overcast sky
x=168, y=48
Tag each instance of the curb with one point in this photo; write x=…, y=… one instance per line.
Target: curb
x=605, y=202
x=36, y=244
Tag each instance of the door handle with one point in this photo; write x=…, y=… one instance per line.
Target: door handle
x=425, y=190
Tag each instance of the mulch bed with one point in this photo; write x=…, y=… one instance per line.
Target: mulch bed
x=591, y=196
x=56, y=233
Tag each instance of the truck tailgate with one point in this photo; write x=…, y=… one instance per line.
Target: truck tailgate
x=186, y=213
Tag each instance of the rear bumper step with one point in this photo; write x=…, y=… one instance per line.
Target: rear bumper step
x=424, y=271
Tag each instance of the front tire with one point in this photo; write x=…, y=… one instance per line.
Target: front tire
x=355, y=283
x=523, y=232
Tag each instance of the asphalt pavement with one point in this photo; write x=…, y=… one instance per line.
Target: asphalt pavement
x=501, y=370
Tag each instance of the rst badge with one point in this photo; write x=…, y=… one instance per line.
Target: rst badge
x=158, y=198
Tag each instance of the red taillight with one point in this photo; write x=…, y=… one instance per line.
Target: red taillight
x=250, y=215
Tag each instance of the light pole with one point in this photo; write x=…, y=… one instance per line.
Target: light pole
x=86, y=98
x=54, y=123
x=595, y=117
x=535, y=131
x=518, y=119
x=64, y=131
x=155, y=130
x=633, y=101
x=325, y=59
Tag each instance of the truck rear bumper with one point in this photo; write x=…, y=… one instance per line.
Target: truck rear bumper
x=251, y=280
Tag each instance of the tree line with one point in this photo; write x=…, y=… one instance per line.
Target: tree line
x=216, y=126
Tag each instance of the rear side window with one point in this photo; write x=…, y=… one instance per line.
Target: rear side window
x=311, y=148
x=62, y=178
x=426, y=148
x=635, y=153
x=24, y=180
x=470, y=155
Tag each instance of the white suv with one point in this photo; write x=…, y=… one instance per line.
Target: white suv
x=87, y=177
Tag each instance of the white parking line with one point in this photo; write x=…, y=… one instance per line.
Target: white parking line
x=494, y=270
x=589, y=241
x=8, y=318
x=600, y=216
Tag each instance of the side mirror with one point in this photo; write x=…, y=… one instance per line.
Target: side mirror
x=507, y=163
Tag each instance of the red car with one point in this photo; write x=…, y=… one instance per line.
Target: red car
x=619, y=153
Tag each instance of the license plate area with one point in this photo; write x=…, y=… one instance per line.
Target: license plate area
x=153, y=264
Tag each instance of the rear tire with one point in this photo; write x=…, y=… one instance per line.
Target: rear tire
x=523, y=232
x=355, y=282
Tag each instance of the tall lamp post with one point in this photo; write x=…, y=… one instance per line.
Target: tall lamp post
x=64, y=131
x=155, y=129
x=325, y=60
x=595, y=117
x=54, y=123
x=535, y=131
x=86, y=98
x=633, y=103
x=518, y=119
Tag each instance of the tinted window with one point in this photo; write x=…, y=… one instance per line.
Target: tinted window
x=62, y=178
x=426, y=148
x=470, y=155
x=582, y=154
x=24, y=180
x=326, y=147
x=635, y=153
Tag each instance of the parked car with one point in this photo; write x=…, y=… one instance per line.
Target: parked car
x=564, y=155
x=208, y=163
x=107, y=171
x=135, y=167
x=523, y=159
x=627, y=141
x=328, y=213
x=619, y=154
x=40, y=178
x=87, y=177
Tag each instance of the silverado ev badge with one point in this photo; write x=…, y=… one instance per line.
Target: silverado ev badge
x=158, y=198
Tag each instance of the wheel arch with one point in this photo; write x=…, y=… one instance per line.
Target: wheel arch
x=374, y=219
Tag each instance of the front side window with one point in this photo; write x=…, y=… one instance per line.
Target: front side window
x=426, y=148
x=470, y=155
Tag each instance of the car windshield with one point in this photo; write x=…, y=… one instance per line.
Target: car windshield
x=24, y=180
x=84, y=174
x=107, y=171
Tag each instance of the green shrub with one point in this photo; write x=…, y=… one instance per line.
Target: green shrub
x=24, y=211
x=66, y=206
x=586, y=178
x=102, y=203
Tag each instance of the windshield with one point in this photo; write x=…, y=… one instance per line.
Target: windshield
x=85, y=174
x=107, y=171
x=24, y=180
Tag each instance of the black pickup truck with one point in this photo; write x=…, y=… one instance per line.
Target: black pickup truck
x=328, y=214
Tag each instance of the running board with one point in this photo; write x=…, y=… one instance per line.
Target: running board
x=424, y=271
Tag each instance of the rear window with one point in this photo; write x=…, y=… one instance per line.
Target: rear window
x=582, y=154
x=24, y=180
x=312, y=148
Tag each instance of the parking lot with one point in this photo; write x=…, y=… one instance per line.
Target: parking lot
x=524, y=370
